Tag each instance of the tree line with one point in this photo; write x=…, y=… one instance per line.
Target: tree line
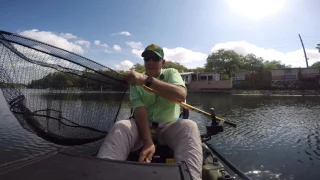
x=88, y=80
x=226, y=62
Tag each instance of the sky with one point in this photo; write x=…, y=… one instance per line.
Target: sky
x=115, y=32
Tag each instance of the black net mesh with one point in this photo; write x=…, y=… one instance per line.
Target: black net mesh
x=58, y=95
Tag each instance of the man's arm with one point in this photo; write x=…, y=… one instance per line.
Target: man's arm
x=141, y=115
x=148, y=149
x=173, y=90
x=141, y=118
x=169, y=91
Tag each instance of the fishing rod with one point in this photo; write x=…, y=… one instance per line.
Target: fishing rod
x=187, y=106
x=229, y=164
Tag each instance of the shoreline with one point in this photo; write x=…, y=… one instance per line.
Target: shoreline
x=275, y=92
x=238, y=92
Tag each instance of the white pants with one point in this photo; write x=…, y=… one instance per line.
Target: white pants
x=182, y=136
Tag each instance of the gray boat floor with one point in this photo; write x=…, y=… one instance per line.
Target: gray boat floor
x=65, y=166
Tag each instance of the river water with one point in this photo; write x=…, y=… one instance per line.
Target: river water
x=276, y=137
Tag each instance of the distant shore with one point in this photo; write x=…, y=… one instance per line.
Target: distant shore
x=277, y=92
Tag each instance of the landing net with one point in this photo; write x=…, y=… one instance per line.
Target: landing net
x=60, y=96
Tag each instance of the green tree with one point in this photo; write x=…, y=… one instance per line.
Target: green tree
x=274, y=65
x=122, y=71
x=138, y=67
x=60, y=80
x=196, y=70
x=252, y=63
x=316, y=64
x=224, y=62
x=176, y=65
x=88, y=70
x=318, y=47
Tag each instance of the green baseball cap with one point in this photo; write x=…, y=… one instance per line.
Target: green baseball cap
x=154, y=48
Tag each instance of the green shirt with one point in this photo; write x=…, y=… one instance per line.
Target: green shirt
x=159, y=109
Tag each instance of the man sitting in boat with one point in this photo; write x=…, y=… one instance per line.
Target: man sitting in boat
x=155, y=117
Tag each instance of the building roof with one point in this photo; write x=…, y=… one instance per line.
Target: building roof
x=186, y=73
x=296, y=68
x=242, y=71
x=208, y=73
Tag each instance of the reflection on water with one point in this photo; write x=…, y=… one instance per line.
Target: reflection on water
x=92, y=109
x=275, y=138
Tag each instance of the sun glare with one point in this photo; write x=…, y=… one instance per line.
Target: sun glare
x=256, y=9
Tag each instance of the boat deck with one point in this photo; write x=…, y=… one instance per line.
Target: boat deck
x=65, y=166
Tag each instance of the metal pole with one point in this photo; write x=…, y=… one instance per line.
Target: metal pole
x=304, y=51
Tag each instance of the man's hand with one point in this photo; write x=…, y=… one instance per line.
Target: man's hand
x=134, y=78
x=147, y=152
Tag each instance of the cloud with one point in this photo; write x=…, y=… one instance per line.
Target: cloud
x=137, y=53
x=83, y=42
x=61, y=41
x=183, y=55
x=123, y=33
x=186, y=57
x=293, y=58
x=117, y=48
x=178, y=54
x=104, y=45
x=68, y=35
x=107, y=51
x=124, y=65
x=98, y=43
x=135, y=45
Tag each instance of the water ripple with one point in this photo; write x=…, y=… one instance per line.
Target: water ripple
x=275, y=138
x=279, y=133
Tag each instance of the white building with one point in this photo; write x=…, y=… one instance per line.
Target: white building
x=205, y=76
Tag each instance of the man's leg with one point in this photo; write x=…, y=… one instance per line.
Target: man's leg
x=122, y=138
x=184, y=138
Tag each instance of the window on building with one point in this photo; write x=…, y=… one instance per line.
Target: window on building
x=203, y=78
x=210, y=78
x=288, y=71
x=194, y=77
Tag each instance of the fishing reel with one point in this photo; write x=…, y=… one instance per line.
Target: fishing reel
x=212, y=128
